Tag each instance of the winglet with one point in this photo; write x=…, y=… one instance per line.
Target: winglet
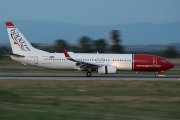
x=65, y=53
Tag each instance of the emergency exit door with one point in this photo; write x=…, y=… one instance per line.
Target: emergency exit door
x=154, y=61
x=36, y=60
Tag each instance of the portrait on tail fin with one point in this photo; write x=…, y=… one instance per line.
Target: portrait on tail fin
x=18, y=40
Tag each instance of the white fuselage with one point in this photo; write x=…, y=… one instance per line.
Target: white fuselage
x=58, y=60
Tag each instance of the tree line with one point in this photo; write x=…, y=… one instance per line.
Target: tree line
x=87, y=45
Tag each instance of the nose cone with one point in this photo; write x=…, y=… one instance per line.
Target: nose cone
x=171, y=65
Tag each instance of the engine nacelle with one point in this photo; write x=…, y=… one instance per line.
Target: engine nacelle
x=107, y=70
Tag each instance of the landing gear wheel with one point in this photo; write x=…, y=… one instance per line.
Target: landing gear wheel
x=88, y=74
x=156, y=75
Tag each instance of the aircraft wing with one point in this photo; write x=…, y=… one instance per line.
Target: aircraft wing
x=82, y=65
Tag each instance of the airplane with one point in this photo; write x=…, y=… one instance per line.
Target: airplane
x=25, y=53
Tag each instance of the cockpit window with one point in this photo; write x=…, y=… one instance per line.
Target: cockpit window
x=164, y=60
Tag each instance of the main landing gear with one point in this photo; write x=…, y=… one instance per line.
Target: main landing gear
x=88, y=74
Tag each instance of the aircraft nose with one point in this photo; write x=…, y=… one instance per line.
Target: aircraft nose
x=171, y=65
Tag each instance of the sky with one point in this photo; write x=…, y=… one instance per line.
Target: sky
x=92, y=12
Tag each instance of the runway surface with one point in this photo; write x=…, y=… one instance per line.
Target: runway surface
x=94, y=77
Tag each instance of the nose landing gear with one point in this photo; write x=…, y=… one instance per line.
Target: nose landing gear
x=158, y=74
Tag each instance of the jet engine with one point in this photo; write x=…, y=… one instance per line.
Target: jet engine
x=107, y=70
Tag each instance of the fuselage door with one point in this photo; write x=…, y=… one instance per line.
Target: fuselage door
x=35, y=59
x=154, y=61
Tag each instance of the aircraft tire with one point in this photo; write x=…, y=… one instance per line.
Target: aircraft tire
x=88, y=74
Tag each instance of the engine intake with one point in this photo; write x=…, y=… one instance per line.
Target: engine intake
x=107, y=70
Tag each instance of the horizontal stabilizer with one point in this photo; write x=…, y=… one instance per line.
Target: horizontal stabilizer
x=17, y=55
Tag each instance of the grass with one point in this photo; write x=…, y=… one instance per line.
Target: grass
x=90, y=100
